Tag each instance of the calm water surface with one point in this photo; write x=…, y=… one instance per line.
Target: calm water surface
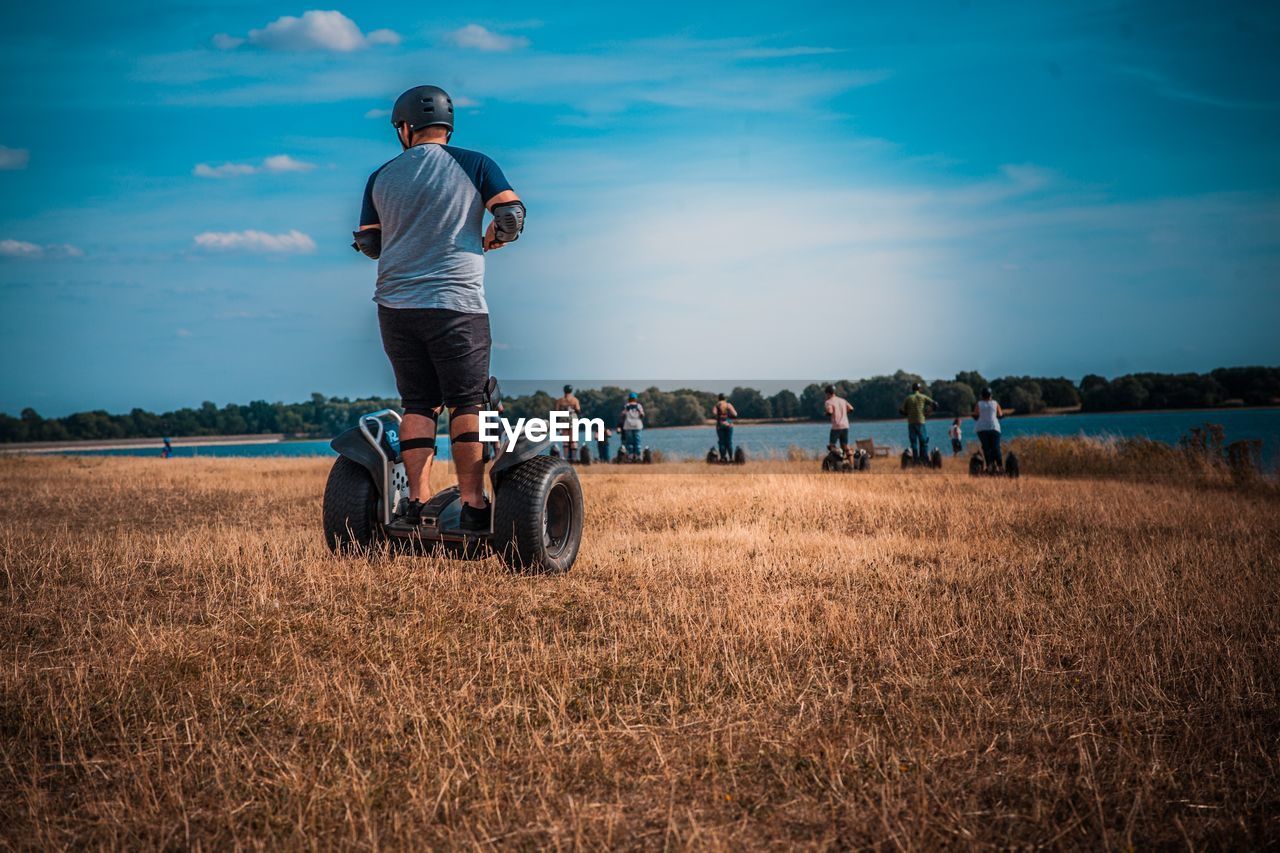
x=774, y=439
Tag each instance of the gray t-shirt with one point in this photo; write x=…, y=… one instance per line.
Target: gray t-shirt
x=430, y=202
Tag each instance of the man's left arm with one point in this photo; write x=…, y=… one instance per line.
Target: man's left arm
x=368, y=237
x=503, y=204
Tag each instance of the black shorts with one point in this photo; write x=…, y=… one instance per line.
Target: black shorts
x=839, y=436
x=440, y=357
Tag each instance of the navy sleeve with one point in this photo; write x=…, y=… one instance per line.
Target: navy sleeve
x=485, y=175
x=369, y=213
x=492, y=181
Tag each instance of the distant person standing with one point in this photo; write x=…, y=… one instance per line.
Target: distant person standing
x=167, y=450
x=957, y=444
x=838, y=409
x=631, y=424
x=602, y=444
x=724, y=413
x=987, y=413
x=917, y=407
x=569, y=403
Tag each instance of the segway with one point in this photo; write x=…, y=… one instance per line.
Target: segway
x=738, y=457
x=978, y=466
x=625, y=458
x=933, y=460
x=845, y=461
x=536, y=522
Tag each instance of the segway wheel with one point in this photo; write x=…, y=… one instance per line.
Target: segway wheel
x=935, y=458
x=350, y=508
x=647, y=456
x=537, y=523
x=712, y=457
x=829, y=464
x=906, y=459
x=739, y=456
x=864, y=461
x=584, y=456
x=1011, y=466
x=621, y=457
x=975, y=465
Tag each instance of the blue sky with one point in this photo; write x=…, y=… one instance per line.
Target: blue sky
x=741, y=190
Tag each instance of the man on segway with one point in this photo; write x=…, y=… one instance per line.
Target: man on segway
x=631, y=424
x=917, y=407
x=422, y=219
x=837, y=408
x=724, y=413
x=569, y=403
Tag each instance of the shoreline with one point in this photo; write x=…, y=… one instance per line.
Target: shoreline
x=281, y=438
x=136, y=443
x=1048, y=413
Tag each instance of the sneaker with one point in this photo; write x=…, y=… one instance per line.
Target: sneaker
x=475, y=519
x=409, y=512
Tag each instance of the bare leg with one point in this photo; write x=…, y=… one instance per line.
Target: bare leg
x=417, y=463
x=468, y=459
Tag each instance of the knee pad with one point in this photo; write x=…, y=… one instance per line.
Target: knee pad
x=462, y=411
x=417, y=444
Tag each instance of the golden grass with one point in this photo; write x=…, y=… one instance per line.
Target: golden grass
x=746, y=657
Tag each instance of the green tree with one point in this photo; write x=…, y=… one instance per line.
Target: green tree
x=785, y=404
x=954, y=398
x=975, y=380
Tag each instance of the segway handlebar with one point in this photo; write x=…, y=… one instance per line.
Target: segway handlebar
x=376, y=441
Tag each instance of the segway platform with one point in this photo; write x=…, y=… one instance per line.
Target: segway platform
x=537, y=509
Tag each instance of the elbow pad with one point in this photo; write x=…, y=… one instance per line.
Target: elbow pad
x=508, y=221
x=368, y=241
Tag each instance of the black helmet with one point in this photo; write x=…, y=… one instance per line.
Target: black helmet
x=568, y=389
x=423, y=106
x=986, y=393
x=830, y=389
x=915, y=386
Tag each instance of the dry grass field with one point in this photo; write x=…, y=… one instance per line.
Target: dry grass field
x=757, y=657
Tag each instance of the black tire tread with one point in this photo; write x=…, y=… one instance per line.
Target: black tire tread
x=347, y=495
x=517, y=530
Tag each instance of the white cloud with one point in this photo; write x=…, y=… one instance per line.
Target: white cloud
x=274, y=163
x=226, y=170
x=476, y=37
x=376, y=113
x=23, y=249
x=285, y=163
x=384, y=36
x=784, y=52
x=20, y=249
x=256, y=241
x=315, y=30
x=13, y=158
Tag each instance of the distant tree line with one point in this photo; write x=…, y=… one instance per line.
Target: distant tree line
x=320, y=416
x=873, y=398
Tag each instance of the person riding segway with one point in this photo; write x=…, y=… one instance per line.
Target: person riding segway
x=422, y=221
x=631, y=425
x=724, y=413
x=917, y=407
x=987, y=413
x=569, y=404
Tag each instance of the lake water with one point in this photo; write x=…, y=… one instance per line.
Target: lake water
x=773, y=439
